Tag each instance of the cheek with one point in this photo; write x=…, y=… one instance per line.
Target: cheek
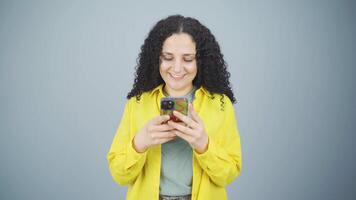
x=192, y=68
x=163, y=67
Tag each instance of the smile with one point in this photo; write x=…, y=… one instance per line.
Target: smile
x=177, y=77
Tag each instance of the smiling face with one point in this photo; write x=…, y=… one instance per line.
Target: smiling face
x=178, y=65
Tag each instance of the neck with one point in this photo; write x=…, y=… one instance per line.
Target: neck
x=174, y=93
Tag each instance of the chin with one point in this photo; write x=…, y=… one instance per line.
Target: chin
x=175, y=86
x=178, y=87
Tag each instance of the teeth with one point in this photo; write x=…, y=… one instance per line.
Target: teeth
x=175, y=76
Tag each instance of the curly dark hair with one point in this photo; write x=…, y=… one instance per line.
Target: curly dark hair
x=212, y=71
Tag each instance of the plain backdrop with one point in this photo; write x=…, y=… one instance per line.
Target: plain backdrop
x=66, y=67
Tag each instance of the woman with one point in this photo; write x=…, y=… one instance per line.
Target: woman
x=159, y=158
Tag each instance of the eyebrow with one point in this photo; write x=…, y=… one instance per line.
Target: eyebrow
x=186, y=54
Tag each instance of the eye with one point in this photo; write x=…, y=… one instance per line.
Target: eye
x=167, y=58
x=188, y=59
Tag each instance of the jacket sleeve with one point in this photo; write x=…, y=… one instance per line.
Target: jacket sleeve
x=125, y=164
x=222, y=161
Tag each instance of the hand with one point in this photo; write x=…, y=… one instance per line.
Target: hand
x=194, y=131
x=153, y=133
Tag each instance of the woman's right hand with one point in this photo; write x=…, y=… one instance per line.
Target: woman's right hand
x=153, y=133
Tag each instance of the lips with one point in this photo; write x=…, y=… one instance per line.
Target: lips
x=177, y=77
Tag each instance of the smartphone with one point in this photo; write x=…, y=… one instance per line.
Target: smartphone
x=168, y=104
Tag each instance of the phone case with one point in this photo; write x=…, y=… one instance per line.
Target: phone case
x=168, y=104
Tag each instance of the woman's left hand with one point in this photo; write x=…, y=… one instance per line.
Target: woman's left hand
x=194, y=131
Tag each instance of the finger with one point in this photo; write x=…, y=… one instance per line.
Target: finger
x=181, y=128
x=162, y=141
x=194, y=114
x=183, y=136
x=160, y=119
x=187, y=120
x=162, y=127
x=162, y=135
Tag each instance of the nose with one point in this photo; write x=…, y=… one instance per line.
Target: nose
x=177, y=66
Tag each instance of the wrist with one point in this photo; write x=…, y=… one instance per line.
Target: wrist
x=204, y=147
x=138, y=144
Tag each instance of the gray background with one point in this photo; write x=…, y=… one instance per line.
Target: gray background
x=66, y=67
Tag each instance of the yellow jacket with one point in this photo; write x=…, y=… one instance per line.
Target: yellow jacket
x=212, y=170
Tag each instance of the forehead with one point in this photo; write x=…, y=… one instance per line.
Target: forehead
x=181, y=43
